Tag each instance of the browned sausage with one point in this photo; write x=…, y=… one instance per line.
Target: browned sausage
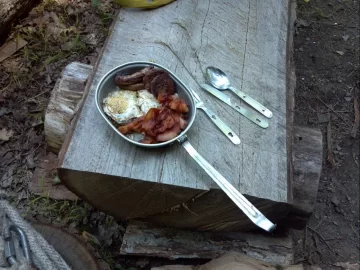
x=136, y=77
x=133, y=87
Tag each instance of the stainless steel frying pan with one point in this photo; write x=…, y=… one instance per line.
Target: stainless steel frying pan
x=106, y=85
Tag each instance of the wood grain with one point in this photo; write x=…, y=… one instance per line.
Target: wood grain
x=63, y=105
x=308, y=158
x=186, y=37
x=143, y=239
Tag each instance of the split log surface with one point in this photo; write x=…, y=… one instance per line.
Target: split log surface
x=64, y=102
x=143, y=239
x=130, y=182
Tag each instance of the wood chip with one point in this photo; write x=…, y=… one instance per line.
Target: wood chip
x=355, y=127
x=11, y=47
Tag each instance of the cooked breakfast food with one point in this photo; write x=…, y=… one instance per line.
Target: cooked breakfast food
x=147, y=103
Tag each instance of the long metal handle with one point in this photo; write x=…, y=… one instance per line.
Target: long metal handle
x=221, y=125
x=259, y=120
x=247, y=207
x=252, y=102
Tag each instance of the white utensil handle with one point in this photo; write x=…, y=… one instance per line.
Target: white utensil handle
x=247, y=207
x=222, y=126
x=252, y=102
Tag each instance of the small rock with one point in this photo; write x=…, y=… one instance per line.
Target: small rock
x=338, y=147
x=301, y=23
x=330, y=189
x=335, y=201
x=142, y=262
x=72, y=225
x=341, y=153
x=308, y=39
x=352, y=211
x=347, y=99
x=301, y=49
x=3, y=111
x=335, y=223
x=30, y=161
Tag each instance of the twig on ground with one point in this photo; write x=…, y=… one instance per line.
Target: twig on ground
x=323, y=239
x=354, y=231
x=330, y=155
x=321, y=221
x=355, y=127
x=330, y=108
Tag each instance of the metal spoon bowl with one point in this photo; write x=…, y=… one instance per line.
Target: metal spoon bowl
x=217, y=78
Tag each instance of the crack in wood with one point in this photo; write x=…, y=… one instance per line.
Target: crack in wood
x=246, y=41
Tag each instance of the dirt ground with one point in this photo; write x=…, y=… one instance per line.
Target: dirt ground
x=327, y=70
x=328, y=81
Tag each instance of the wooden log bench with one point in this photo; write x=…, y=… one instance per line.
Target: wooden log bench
x=251, y=42
x=278, y=169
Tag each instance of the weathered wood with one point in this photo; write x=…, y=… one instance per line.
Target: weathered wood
x=10, y=11
x=252, y=50
x=63, y=104
x=143, y=239
x=231, y=261
x=308, y=157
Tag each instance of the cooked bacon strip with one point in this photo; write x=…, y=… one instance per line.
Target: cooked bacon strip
x=168, y=135
x=134, y=78
x=178, y=105
x=158, y=125
x=132, y=126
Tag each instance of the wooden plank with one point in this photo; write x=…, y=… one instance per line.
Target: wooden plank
x=143, y=239
x=252, y=50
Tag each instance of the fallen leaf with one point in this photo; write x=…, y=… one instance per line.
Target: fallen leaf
x=340, y=52
x=11, y=47
x=5, y=135
x=345, y=37
x=306, y=1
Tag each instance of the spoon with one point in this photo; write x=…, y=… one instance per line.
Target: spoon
x=219, y=80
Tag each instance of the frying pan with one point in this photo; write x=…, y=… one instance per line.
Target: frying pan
x=107, y=85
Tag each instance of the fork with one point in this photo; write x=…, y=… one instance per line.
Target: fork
x=229, y=133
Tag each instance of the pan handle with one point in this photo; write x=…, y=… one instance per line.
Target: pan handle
x=247, y=207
